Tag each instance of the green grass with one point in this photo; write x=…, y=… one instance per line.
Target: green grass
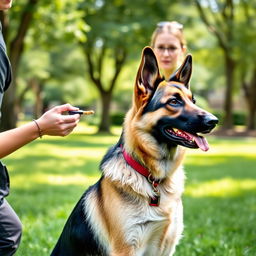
x=49, y=176
x=220, y=200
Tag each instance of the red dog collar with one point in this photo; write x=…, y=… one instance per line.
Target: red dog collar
x=144, y=172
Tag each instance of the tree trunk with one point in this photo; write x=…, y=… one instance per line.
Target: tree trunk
x=105, y=112
x=249, y=89
x=228, y=105
x=95, y=72
x=38, y=89
x=224, y=37
x=9, y=107
x=251, y=125
x=251, y=118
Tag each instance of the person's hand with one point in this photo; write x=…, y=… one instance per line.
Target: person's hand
x=54, y=123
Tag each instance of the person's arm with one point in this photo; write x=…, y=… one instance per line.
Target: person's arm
x=51, y=123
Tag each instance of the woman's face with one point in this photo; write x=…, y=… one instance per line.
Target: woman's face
x=5, y=4
x=168, y=51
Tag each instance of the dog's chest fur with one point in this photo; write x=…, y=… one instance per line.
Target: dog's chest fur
x=152, y=230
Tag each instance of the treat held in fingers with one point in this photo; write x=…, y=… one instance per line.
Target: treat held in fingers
x=81, y=112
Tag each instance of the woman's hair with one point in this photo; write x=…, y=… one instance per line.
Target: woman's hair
x=172, y=27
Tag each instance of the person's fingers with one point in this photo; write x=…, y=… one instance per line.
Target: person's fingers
x=70, y=118
x=67, y=129
x=64, y=107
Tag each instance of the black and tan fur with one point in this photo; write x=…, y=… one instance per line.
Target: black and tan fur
x=113, y=217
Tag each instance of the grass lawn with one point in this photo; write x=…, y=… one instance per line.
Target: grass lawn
x=49, y=176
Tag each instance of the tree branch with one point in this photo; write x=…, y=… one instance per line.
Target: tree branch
x=210, y=26
x=100, y=60
x=91, y=66
x=17, y=44
x=120, y=58
x=246, y=12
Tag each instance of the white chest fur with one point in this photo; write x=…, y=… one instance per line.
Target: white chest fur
x=155, y=230
x=148, y=229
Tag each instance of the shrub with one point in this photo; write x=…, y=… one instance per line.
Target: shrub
x=239, y=118
x=117, y=118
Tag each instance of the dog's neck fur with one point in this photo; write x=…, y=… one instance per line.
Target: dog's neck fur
x=161, y=161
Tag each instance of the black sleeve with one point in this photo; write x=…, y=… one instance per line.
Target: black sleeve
x=5, y=70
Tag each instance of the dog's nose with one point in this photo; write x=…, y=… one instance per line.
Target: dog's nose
x=211, y=120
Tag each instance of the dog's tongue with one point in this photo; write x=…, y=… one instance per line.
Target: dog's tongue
x=201, y=142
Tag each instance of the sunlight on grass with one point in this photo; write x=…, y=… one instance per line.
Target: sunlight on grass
x=77, y=179
x=221, y=188
x=60, y=180
x=83, y=127
x=75, y=154
x=227, y=147
x=90, y=129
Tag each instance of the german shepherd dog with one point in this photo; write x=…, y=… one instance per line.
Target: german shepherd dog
x=135, y=208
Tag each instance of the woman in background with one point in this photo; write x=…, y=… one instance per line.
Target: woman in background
x=169, y=45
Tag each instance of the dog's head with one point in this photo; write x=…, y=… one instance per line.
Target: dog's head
x=166, y=110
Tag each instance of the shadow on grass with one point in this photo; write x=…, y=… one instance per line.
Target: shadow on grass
x=46, y=199
x=44, y=165
x=80, y=140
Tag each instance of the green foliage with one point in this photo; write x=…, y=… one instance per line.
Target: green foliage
x=53, y=55
x=35, y=64
x=122, y=24
x=239, y=117
x=220, y=195
x=59, y=21
x=48, y=177
x=117, y=118
x=68, y=77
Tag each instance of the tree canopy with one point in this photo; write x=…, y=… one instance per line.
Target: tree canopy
x=80, y=51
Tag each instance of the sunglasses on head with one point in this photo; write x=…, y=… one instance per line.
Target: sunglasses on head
x=172, y=24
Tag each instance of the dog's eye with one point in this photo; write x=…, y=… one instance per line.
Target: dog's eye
x=173, y=101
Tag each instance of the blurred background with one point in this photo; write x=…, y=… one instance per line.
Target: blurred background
x=87, y=53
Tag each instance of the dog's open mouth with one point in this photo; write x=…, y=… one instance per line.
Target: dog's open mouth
x=188, y=139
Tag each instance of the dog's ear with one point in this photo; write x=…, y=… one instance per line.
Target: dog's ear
x=183, y=74
x=147, y=77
